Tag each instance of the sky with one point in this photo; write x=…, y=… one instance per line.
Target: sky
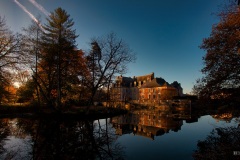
x=164, y=34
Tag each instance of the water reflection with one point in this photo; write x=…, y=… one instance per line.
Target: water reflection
x=57, y=139
x=4, y=132
x=151, y=122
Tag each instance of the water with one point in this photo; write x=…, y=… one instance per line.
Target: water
x=141, y=134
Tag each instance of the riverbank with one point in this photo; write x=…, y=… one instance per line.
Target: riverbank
x=94, y=112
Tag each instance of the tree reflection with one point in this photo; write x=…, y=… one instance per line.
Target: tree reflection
x=14, y=140
x=4, y=132
x=58, y=139
x=222, y=143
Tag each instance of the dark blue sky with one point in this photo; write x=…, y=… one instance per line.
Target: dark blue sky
x=165, y=34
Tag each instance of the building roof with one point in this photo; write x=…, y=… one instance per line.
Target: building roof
x=156, y=82
x=144, y=77
x=176, y=84
x=125, y=81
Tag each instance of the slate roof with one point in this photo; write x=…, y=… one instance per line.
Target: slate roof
x=144, y=77
x=176, y=84
x=125, y=81
x=156, y=82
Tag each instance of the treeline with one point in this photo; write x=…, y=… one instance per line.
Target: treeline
x=49, y=68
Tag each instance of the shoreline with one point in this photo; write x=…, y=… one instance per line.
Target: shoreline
x=96, y=112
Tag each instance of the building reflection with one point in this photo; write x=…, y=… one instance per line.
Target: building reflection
x=151, y=122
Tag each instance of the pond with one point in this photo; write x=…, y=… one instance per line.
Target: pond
x=140, y=134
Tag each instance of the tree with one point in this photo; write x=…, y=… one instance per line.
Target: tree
x=9, y=45
x=7, y=91
x=222, y=60
x=60, y=62
x=30, y=48
x=9, y=57
x=109, y=56
x=26, y=91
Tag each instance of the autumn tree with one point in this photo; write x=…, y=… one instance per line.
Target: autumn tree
x=7, y=90
x=109, y=56
x=221, y=70
x=26, y=91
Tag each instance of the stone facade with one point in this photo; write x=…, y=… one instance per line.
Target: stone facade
x=144, y=88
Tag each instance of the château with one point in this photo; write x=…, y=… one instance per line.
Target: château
x=144, y=89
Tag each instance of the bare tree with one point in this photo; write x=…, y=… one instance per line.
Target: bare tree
x=9, y=55
x=30, y=48
x=8, y=46
x=109, y=56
